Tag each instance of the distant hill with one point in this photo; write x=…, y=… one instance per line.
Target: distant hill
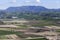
x=30, y=9
x=26, y=9
x=30, y=12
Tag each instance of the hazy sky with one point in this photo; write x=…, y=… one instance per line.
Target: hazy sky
x=46, y=3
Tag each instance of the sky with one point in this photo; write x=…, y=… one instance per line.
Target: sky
x=51, y=4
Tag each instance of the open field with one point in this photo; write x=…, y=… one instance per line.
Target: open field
x=8, y=34
x=31, y=22
x=29, y=28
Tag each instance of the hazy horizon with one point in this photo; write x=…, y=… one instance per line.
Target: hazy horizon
x=51, y=4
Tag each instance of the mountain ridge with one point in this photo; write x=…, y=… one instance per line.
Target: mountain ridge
x=26, y=8
x=30, y=9
x=30, y=12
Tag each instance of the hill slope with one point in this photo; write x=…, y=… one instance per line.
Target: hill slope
x=30, y=12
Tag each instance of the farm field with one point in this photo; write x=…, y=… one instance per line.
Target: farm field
x=22, y=29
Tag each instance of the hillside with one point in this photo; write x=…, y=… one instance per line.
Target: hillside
x=26, y=9
x=30, y=9
x=30, y=12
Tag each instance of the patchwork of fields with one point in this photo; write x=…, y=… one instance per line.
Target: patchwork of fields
x=28, y=29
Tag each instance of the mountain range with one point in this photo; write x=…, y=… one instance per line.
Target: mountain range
x=30, y=12
x=30, y=9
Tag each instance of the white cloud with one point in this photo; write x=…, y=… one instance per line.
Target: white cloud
x=38, y=1
x=14, y=1
x=27, y=1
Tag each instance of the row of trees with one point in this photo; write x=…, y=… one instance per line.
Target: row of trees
x=31, y=15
